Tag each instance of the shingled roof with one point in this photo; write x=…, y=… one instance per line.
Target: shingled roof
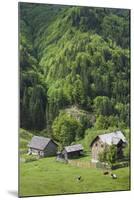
x=39, y=142
x=72, y=148
x=111, y=138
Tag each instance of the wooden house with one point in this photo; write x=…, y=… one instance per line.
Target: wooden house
x=72, y=151
x=102, y=141
x=42, y=146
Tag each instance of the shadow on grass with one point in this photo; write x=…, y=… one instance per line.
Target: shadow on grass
x=13, y=193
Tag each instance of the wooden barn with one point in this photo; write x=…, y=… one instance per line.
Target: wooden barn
x=101, y=141
x=72, y=151
x=42, y=146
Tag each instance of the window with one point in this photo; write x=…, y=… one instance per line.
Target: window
x=102, y=146
x=96, y=144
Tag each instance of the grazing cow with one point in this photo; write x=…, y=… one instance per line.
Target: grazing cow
x=79, y=178
x=106, y=173
x=114, y=176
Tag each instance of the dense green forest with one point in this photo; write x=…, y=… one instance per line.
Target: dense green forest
x=74, y=70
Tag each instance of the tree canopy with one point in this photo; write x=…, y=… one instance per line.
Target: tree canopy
x=73, y=56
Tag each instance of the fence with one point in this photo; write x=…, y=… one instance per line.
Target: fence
x=87, y=164
x=82, y=164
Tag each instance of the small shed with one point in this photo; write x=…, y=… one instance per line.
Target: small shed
x=72, y=151
x=105, y=140
x=42, y=146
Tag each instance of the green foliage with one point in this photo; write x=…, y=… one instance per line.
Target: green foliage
x=74, y=56
x=103, y=156
x=126, y=151
x=102, y=105
x=118, y=165
x=112, y=154
x=114, y=121
x=104, y=122
x=66, y=129
x=24, y=139
x=23, y=143
x=123, y=112
x=114, y=26
x=30, y=158
x=108, y=155
x=25, y=134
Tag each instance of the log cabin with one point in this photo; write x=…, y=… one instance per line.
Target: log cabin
x=72, y=151
x=105, y=140
x=42, y=146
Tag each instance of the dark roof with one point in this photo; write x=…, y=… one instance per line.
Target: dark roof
x=39, y=142
x=111, y=138
x=72, y=148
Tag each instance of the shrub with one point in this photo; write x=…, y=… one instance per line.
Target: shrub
x=66, y=129
x=25, y=134
x=23, y=151
x=119, y=165
x=109, y=155
x=126, y=152
x=23, y=143
x=30, y=158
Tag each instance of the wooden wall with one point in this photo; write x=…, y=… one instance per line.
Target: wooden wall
x=97, y=147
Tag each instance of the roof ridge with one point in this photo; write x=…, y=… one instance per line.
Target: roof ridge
x=116, y=132
x=73, y=145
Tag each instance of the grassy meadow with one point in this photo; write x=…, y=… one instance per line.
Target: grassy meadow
x=47, y=177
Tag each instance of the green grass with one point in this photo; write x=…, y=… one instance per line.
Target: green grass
x=48, y=177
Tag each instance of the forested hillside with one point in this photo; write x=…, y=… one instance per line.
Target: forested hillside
x=74, y=69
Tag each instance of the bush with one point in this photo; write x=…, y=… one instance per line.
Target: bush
x=23, y=151
x=109, y=155
x=66, y=129
x=25, y=134
x=45, y=133
x=119, y=165
x=104, y=122
x=23, y=143
x=103, y=105
x=126, y=152
x=30, y=158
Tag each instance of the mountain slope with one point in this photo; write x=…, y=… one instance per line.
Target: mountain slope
x=73, y=56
